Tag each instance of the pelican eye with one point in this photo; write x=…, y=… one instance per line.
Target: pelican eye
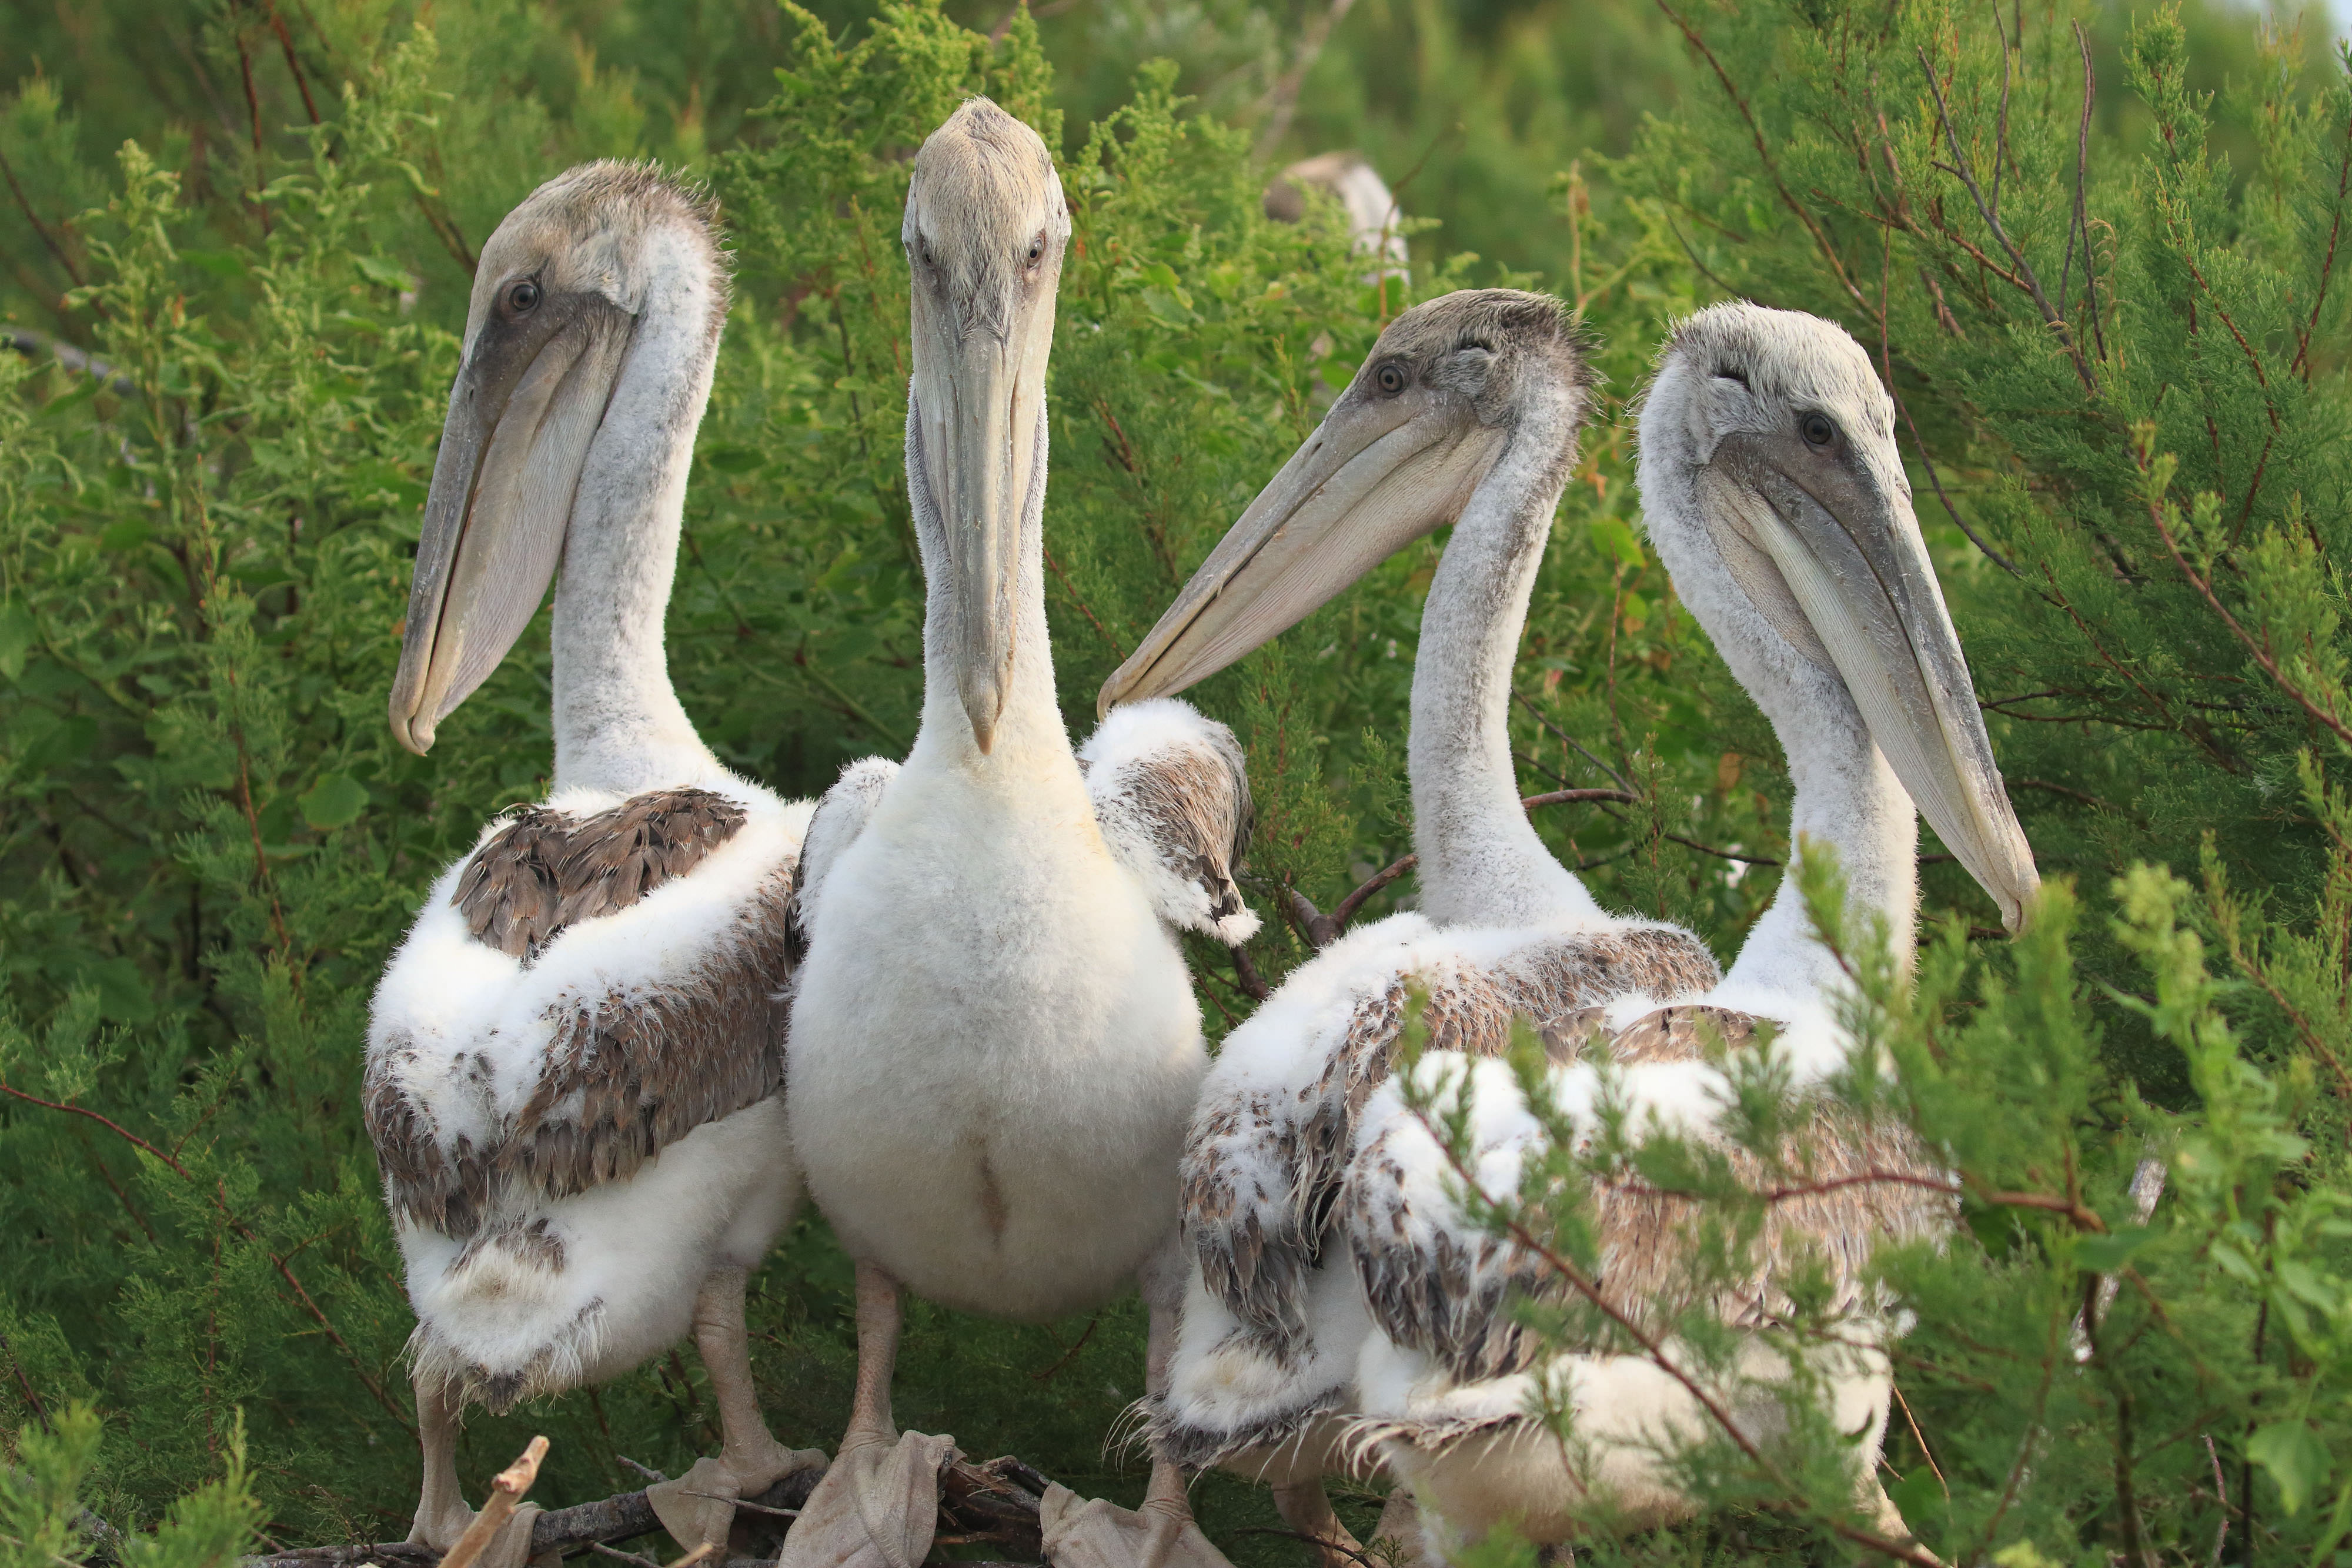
x=523, y=297
x=1816, y=429
x=1390, y=379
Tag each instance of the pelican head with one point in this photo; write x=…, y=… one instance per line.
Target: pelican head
x=558, y=294
x=984, y=233
x=1775, y=494
x=1431, y=409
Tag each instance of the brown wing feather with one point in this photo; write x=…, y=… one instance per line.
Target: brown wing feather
x=545, y=871
x=1258, y=1235
x=1189, y=805
x=1451, y=1299
x=629, y=1072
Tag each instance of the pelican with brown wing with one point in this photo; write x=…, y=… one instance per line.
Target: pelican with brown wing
x=1466, y=413
x=575, y=1059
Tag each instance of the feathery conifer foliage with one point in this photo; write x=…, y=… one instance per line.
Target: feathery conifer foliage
x=2120, y=364
x=208, y=842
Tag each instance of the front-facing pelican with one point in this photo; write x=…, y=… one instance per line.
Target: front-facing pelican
x=994, y=1044
x=575, y=1059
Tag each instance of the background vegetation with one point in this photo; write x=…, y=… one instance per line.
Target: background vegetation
x=259, y=219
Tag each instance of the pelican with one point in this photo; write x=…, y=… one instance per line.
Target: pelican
x=576, y=1058
x=1375, y=226
x=1776, y=497
x=995, y=1042
x=1465, y=412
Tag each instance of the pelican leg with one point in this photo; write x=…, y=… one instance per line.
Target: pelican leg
x=441, y=1511
x=878, y=1503
x=1305, y=1507
x=442, y=1515
x=1399, y=1528
x=699, y=1505
x=1081, y=1534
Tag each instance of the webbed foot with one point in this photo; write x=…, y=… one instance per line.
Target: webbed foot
x=1094, y=1534
x=509, y=1547
x=699, y=1505
x=876, y=1507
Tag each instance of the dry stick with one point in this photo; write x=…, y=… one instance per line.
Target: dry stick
x=42, y=229
x=2079, y=220
x=1921, y=1438
x=253, y=108
x=1571, y=740
x=1281, y=100
x=2220, y=1495
x=39, y=345
x=283, y=1272
x=1887, y=364
x=286, y=43
x=40, y=1411
x=1084, y=609
x=505, y=1492
x=1245, y=974
x=1963, y=171
x=2262, y=655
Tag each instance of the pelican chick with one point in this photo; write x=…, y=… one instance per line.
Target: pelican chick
x=1465, y=412
x=576, y=1058
x=995, y=1042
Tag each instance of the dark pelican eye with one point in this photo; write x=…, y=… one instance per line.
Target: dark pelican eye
x=1816, y=429
x=1390, y=379
x=1037, y=248
x=522, y=297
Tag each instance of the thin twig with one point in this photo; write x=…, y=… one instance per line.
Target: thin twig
x=2024, y=272
x=1764, y=153
x=286, y=1273
x=2262, y=655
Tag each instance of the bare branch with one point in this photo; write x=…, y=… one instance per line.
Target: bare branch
x=2024, y=271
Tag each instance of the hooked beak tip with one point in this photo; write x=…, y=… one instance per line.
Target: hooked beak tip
x=414, y=731
x=983, y=704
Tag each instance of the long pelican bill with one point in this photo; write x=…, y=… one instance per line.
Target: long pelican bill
x=1376, y=475
x=1848, y=550
x=979, y=400
x=526, y=406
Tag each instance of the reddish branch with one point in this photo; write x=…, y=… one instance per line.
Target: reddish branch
x=2259, y=650
x=2327, y=263
x=220, y=1202
x=1764, y=153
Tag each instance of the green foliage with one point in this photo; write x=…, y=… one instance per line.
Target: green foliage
x=211, y=842
x=2076, y=1381
x=208, y=841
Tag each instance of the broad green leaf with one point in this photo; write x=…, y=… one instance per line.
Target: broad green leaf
x=336, y=800
x=2292, y=1455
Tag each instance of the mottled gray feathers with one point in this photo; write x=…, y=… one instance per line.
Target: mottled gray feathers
x=1256, y=1248
x=1450, y=1298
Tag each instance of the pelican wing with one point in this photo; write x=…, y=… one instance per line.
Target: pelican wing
x=1172, y=796
x=840, y=817
x=630, y=1063
x=1276, y=1124
x=1436, y=1284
